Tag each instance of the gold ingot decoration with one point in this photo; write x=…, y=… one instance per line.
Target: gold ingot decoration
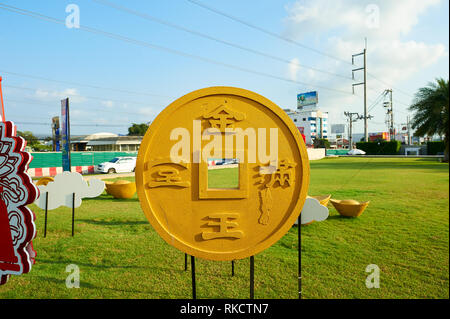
x=349, y=207
x=121, y=189
x=44, y=181
x=106, y=186
x=323, y=199
x=228, y=132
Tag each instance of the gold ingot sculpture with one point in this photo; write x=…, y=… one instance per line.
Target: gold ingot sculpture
x=349, y=207
x=44, y=181
x=121, y=189
x=106, y=186
x=259, y=196
x=323, y=199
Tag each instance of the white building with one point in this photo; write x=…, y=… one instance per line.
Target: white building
x=312, y=123
x=105, y=142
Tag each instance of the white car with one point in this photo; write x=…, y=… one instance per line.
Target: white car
x=356, y=151
x=118, y=165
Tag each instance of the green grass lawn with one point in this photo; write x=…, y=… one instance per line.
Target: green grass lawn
x=404, y=231
x=223, y=178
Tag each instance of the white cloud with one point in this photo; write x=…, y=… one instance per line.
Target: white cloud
x=108, y=103
x=48, y=95
x=355, y=18
x=343, y=25
x=339, y=27
x=313, y=211
x=60, y=191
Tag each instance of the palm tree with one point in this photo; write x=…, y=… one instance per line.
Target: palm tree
x=431, y=111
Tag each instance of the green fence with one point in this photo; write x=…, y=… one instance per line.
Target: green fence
x=53, y=159
x=337, y=152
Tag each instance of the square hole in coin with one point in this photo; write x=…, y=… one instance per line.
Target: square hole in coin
x=223, y=173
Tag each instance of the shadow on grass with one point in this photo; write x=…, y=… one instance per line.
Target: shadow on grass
x=105, y=266
x=63, y=281
x=112, y=223
x=341, y=218
x=84, y=284
x=112, y=199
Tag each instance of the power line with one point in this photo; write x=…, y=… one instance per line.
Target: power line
x=377, y=101
x=250, y=25
x=161, y=48
x=48, y=105
x=81, y=84
x=378, y=123
x=26, y=117
x=396, y=101
x=74, y=124
x=209, y=37
x=272, y=34
x=390, y=85
x=104, y=99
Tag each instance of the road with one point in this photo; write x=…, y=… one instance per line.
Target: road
x=107, y=176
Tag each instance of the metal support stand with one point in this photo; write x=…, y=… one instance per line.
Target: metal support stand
x=46, y=211
x=232, y=268
x=73, y=214
x=299, y=260
x=194, y=292
x=252, y=277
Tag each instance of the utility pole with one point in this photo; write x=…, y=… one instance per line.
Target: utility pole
x=365, y=117
x=390, y=114
x=350, y=125
x=408, y=128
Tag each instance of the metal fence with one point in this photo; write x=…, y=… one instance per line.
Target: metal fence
x=53, y=159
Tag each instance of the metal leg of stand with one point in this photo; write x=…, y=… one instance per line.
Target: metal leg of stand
x=73, y=214
x=194, y=292
x=46, y=212
x=252, y=277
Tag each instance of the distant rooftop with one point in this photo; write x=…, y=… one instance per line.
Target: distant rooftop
x=105, y=139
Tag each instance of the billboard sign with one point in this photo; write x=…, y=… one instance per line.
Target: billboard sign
x=57, y=143
x=55, y=133
x=337, y=128
x=65, y=135
x=308, y=98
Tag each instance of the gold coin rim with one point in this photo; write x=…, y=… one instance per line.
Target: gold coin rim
x=172, y=239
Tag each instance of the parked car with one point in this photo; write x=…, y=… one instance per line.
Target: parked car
x=118, y=165
x=356, y=151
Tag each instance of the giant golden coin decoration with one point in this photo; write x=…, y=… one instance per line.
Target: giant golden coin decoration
x=222, y=173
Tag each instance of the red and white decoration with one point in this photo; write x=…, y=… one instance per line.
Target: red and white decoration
x=53, y=171
x=17, y=228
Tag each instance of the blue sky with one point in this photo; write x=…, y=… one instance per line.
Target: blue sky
x=407, y=47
